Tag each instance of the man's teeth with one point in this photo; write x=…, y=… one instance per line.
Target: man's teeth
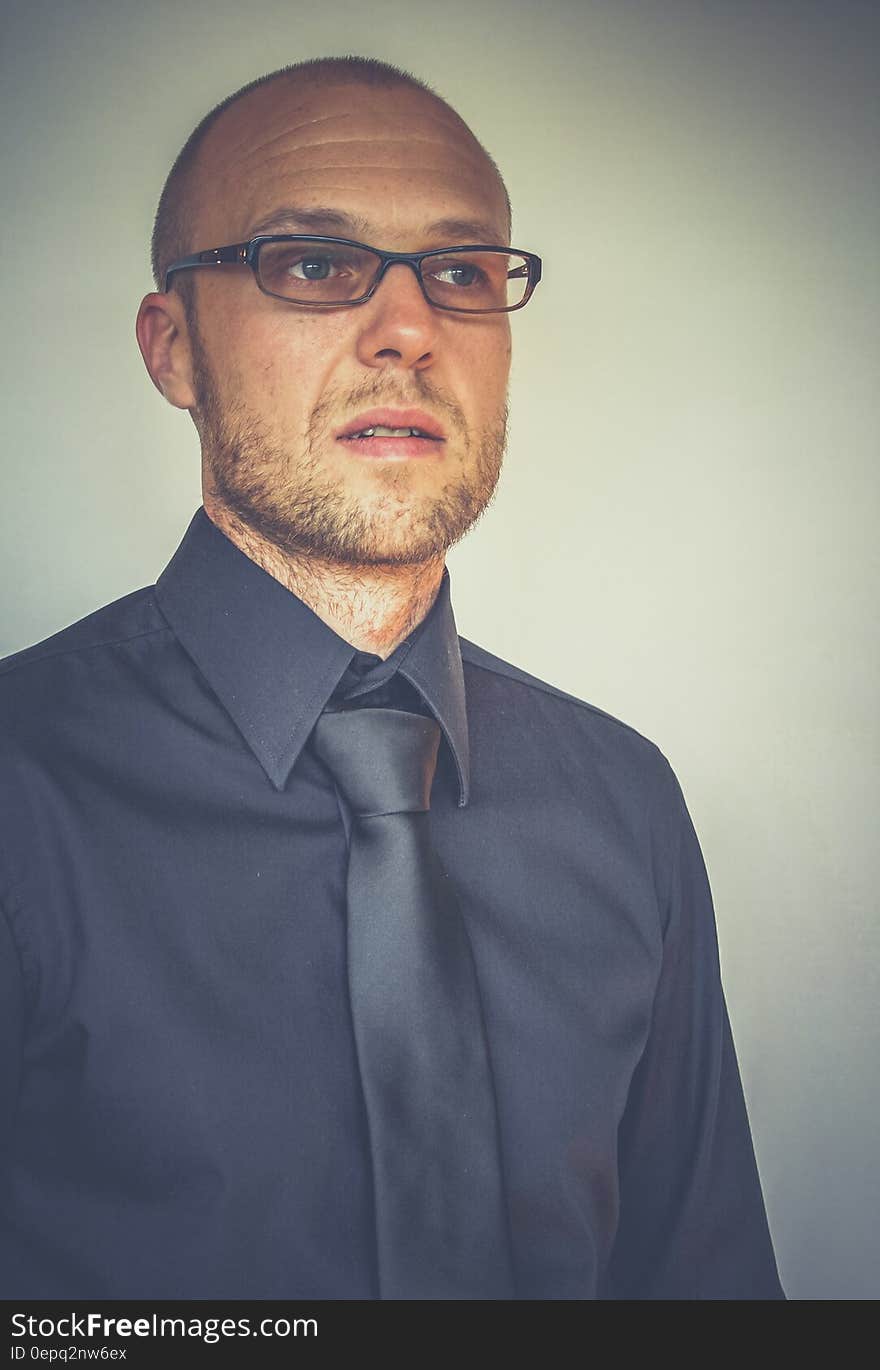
x=380, y=432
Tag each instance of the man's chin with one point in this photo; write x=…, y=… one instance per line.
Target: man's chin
x=406, y=518
x=354, y=537
x=376, y=544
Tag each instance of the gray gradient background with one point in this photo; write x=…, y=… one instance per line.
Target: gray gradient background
x=685, y=534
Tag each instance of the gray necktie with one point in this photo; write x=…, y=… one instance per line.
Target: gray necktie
x=441, y=1223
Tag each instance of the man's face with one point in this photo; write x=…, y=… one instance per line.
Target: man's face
x=278, y=386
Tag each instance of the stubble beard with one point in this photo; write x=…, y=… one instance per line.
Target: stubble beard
x=290, y=502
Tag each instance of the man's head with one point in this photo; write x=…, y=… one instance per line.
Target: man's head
x=354, y=149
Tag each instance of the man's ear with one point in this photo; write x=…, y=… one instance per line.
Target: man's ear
x=163, y=338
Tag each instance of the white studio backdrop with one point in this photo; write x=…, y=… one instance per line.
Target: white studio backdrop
x=686, y=530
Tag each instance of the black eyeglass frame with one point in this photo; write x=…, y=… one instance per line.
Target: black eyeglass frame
x=247, y=254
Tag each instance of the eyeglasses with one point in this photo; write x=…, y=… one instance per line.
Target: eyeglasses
x=331, y=273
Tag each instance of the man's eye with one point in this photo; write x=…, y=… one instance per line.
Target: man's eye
x=458, y=274
x=313, y=268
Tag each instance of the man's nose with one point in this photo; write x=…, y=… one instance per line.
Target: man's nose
x=399, y=325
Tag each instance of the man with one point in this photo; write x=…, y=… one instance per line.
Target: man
x=277, y=1028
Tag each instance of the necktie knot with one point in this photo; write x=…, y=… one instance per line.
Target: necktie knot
x=383, y=760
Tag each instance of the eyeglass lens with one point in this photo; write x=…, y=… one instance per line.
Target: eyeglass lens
x=324, y=273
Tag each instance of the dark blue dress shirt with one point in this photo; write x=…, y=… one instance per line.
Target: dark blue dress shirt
x=181, y=1108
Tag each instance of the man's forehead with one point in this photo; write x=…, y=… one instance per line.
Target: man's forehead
x=349, y=147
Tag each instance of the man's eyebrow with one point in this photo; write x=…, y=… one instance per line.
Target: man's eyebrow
x=295, y=219
x=334, y=222
x=468, y=230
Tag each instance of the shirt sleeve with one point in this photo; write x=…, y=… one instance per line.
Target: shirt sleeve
x=11, y=1029
x=692, y=1222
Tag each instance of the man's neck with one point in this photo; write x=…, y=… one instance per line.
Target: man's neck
x=372, y=607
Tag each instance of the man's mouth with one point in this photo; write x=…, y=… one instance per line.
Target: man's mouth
x=378, y=431
x=397, y=433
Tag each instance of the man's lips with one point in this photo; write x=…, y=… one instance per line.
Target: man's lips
x=359, y=435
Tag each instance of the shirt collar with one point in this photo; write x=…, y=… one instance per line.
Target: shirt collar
x=273, y=664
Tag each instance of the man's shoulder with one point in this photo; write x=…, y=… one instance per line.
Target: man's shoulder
x=601, y=726
x=555, y=739
x=134, y=615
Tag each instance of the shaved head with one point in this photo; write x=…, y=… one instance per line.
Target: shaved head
x=190, y=181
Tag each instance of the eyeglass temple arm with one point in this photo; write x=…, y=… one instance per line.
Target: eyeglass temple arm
x=531, y=267
x=214, y=256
